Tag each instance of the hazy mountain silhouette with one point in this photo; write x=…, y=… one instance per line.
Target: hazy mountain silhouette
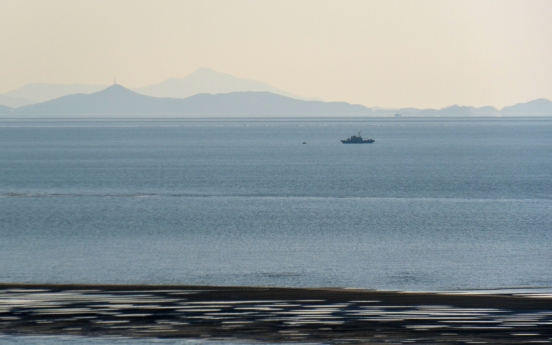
x=117, y=100
x=536, y=107
x=41, y=92
x=14, y=102
x=452, y=111
x=114, y=99
x=487, y=110
x=206, y=80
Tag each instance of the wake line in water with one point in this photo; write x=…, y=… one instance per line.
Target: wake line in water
x=246, y=196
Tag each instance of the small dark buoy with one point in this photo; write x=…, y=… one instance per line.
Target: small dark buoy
x=304, y=142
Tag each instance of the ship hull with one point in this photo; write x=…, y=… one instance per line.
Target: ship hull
x=357, y=139
x=364, y=142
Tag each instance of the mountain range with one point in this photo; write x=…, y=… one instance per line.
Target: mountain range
x=120, y=101
x=539, y=106
x=203, y=80
x=206, y=80
x=117, y=100
x=206, y=92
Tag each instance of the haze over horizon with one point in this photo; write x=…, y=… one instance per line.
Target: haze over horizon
x=425, y=54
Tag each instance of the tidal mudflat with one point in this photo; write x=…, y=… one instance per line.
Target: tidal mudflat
x=269, y=314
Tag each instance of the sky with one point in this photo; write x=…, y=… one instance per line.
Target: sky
x=388, y=53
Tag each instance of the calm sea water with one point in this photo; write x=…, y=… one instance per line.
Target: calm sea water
x=434, y=204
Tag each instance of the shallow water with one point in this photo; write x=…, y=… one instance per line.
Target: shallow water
x=434, y=204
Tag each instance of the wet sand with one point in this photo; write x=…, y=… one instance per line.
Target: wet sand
x=275, y=314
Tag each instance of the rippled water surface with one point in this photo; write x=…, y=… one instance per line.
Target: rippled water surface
x=434, y=204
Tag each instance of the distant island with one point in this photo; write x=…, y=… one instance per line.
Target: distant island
x=203, y=80
x=117, y=100
x=120, y=101
x=208, y=93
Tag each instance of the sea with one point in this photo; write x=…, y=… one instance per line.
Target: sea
x=435, y=204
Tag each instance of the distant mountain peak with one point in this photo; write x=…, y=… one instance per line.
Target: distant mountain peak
x=206, y=72
x=207, y=80
x=116, y=88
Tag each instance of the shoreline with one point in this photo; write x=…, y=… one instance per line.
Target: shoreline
x=273, y=314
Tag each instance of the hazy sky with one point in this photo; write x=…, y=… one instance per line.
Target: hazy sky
x=378, y=53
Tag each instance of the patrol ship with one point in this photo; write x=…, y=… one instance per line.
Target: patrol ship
x=357, y=139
